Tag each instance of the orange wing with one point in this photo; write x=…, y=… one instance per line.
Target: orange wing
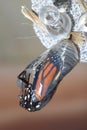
x=44, y=79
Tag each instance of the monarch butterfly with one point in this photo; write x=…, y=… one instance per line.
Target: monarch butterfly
x=40, y=79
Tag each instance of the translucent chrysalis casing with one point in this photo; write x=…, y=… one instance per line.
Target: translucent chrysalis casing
x=39, y=80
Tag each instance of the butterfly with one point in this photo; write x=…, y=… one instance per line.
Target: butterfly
x=40, y=79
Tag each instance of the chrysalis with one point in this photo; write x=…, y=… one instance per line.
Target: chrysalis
x=39, y=80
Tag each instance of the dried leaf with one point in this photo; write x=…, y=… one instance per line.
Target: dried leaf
x=77, y=38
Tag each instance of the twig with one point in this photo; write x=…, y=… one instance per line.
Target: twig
x=29, y=14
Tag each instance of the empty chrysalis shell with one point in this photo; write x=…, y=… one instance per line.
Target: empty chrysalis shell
x=39, y=80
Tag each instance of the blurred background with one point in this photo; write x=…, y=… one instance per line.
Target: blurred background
x=18, y=47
